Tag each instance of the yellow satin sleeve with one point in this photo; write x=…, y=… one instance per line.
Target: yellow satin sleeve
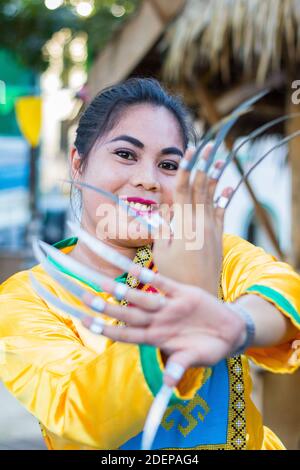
x=87, y=391
x=248, y=269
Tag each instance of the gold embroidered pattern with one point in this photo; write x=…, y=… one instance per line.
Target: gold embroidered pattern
x=237, y=407
x=143, y=257
x=186, y=411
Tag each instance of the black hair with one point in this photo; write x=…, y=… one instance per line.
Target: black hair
x=103, y=112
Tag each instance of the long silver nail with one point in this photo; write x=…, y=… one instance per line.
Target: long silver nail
x=184, y=165
x=55, y=301
x=120, y=291
x=97, y=326
x=222, y=202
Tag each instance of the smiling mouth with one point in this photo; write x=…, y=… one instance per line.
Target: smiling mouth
x=141, y=206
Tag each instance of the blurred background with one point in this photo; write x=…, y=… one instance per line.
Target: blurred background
x=55, y=55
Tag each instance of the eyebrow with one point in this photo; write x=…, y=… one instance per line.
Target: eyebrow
x=139, y=144
x=131, y=140
x=172, y=151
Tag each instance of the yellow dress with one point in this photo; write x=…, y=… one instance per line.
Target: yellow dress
x=89, y=392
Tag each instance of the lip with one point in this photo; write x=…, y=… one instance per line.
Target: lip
x=140, y=200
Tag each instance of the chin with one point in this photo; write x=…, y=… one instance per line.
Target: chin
x=135, y=243
x=132, y=243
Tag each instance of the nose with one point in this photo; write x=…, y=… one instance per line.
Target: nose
x=145, y=176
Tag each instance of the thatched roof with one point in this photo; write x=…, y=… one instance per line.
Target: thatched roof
x=255, y=37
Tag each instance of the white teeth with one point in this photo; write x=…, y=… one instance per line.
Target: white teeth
x=138, y=206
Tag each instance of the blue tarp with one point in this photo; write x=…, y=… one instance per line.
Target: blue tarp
x=14, y=163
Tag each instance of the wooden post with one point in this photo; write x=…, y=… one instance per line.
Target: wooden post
x=294, y=158
x=213, y=116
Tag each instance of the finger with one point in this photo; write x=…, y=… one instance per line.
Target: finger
x=130, y=315
x=221, y=205
x=174, y=371
x=126, y=334
x=178, y=362
x=182, y=186
x=213, y=179
x=94, y=324
x=166, y=285
x=163, y=231
x=199, y=185
x=145, y=300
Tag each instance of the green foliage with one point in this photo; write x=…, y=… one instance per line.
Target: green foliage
x=26, y=25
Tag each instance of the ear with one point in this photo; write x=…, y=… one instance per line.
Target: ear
x=75, y=162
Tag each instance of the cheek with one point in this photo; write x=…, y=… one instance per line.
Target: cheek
x=105, y=175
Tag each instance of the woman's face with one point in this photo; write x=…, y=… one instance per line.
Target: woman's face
x=137, y=160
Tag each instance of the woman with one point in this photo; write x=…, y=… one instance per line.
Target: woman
x=92, y=392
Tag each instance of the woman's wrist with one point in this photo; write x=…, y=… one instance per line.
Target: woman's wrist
x=247, y=337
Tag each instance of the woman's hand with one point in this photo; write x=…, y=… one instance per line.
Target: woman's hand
x=194, y=254
x=189, y=325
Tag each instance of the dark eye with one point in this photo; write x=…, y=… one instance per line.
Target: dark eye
x=126, y=154
x=168, y=165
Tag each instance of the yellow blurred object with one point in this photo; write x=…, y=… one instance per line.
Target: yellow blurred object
x=29, y=116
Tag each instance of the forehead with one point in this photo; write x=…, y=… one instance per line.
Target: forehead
x=152, y=125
